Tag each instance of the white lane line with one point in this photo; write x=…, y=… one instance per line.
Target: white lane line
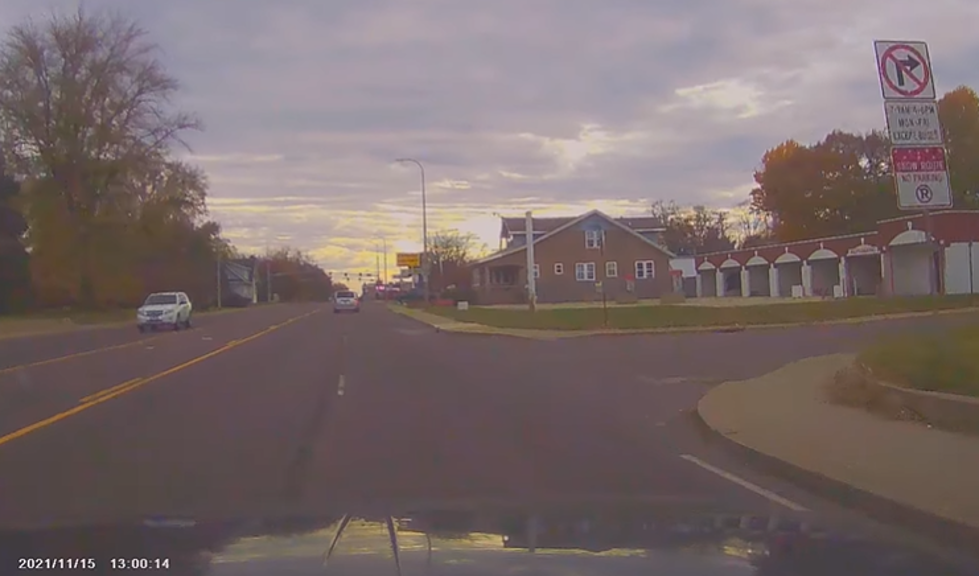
x=745, y=484
x=341, y=385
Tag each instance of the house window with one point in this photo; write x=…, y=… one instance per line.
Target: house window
x=645, y=269
x=611, y=269
x=558, y=269
x=536, y=270
x=584, y=271
x=593, y=239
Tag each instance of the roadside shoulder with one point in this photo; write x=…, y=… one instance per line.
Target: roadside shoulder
x=895, y=468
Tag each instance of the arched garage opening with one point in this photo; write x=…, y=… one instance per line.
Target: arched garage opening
x=909, y=256
x=863, y=271
x=708, y=280
x=731, y=277
x=758, y=284
x=789, y=267
x=825, y=265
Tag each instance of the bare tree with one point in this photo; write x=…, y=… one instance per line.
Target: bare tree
x=84, y=103
x=692, y=230
x=754, y=227
x=450, y=253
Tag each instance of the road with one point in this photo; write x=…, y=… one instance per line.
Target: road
x=292, y=409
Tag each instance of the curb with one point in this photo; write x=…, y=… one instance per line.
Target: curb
x=451, y=327
x=558, y=333
x=941, y=530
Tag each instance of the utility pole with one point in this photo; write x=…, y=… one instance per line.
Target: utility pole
x=219, y=280
x=531, y=280
x=268, y=279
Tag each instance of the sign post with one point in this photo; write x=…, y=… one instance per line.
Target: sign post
x=531, y=264
x=918, y=157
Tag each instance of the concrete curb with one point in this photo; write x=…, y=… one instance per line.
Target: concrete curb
x=942, y=530
x=453, y=326
x=945, y=411
x=472, y=329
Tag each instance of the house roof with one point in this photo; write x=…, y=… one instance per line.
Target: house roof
x=568, y=223
x=549, y=224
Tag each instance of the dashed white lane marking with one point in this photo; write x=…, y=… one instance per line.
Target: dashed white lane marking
x=341, y=385
x=745, y=484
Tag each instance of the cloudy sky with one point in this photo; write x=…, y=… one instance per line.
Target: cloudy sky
x=556, y=106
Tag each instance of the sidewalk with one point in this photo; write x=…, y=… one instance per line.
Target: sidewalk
x=449, y=325
x=784, y=415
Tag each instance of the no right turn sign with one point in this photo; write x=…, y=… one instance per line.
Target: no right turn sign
x=905, y=70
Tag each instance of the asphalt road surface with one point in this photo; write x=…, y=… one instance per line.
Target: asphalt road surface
x=292, y=409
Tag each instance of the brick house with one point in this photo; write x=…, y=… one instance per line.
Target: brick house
x=572, y=255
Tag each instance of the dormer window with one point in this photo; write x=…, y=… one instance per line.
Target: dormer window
x=593, y=239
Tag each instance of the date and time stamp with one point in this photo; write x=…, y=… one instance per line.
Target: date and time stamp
x=118, y=564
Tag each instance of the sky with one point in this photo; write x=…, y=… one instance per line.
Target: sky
x=554, y=106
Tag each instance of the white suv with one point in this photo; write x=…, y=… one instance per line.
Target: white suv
x=345, y=301
x=164, y=310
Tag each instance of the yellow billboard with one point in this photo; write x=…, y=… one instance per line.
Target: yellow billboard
x=409, y=259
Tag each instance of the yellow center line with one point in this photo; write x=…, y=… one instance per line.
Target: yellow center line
x=125, y=387
x=91, y=397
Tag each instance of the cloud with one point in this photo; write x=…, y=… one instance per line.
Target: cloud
x=551, y=105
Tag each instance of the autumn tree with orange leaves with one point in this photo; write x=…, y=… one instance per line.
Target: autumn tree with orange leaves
x=843, y=184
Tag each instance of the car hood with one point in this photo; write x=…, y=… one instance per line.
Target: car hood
x=567, y=538
x=159, y=308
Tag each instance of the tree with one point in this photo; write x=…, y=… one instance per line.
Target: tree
x=690, y=231
x=83, y=109
x=838, y=186
x=754, y=228
x=294, y=276
x=15, y=283
x=958, y=111
x=450, y=253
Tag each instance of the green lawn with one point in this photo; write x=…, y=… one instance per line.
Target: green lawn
x=942, y=362
x=675, y=316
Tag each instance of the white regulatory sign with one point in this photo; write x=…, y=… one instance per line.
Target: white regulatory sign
x=921, y=175
x=905, y=70
x=913, y=123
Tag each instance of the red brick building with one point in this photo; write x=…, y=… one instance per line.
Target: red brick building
x=576, y=259
x=895, y=259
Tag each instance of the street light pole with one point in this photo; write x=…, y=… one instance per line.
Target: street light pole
x=424, y=225
x=384, y=248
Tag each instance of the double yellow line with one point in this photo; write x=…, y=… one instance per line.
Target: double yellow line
x=130, y=385
x=117, y=388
